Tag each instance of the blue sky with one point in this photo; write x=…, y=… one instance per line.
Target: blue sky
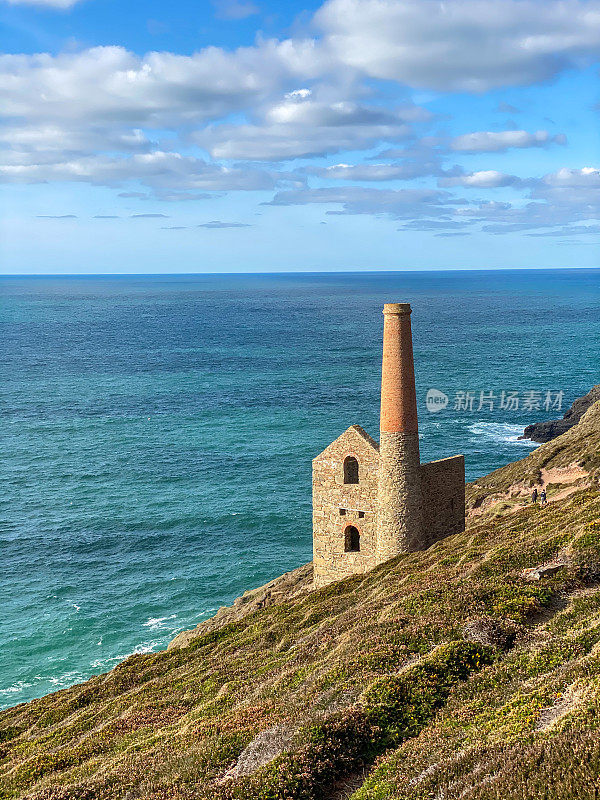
x=240, y=135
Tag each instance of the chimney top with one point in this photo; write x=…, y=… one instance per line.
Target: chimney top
x=398, y=396
x=397, y=308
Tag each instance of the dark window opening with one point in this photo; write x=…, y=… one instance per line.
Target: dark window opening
x=351, y=539
x=350, y=470
x=361, y=514
x=342, y=512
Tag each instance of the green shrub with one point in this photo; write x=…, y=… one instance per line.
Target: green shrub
x=552, y=655
x=402, y=704
x=215, y=636
x=590, y=536
x=515, y=601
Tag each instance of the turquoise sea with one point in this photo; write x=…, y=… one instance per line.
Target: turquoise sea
x=157, y=432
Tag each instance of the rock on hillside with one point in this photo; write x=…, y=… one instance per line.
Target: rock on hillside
x=545, y=431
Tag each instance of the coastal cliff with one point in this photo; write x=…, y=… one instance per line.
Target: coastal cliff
x=545, y=431
x=471, y=669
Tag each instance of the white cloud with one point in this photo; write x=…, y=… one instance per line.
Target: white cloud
x=218, y=224
x=52, y=138
x=377, y=172
x=483, y=179
x=586, y=177
x=301, y=109
x=455, y=44
x=462, y=45
x=110, y=84
x=149, y=216
x=435, y=225
x=101, y=98
x=158, y=170
x=74, y=116
x=397, y=204
x=298, y=94
x=301, y=126
x=574, y=193
x=93, y=116
x=499, y=141
x=58, y=4
x=570, y=230
x=566, y=199
x=280, y=142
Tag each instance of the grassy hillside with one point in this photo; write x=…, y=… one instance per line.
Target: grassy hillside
x=441, y=674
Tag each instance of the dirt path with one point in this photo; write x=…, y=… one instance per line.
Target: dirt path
x=520, y=495
x=568, y=474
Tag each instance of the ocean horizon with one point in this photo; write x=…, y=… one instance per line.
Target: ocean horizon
x=313, y=272
x=158, y=430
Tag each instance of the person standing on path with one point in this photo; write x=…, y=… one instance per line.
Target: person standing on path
x=543, y=500
x=534, y=495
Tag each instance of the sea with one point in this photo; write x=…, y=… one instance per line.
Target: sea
x=157, y=431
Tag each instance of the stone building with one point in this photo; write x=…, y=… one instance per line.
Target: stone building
x=373, y=501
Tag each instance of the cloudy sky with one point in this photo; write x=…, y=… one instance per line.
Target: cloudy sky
x=254, y=135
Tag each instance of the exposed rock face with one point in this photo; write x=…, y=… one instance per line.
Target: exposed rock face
x=543, y=571
x=545, y=431
x=266, y=746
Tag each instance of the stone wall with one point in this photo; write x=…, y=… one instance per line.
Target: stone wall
x=337, y=505
x=399, y=526
x=443, y=492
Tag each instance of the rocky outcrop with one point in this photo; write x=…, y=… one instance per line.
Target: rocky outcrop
x=545, y=431
x=266, y=746
x=543, y=570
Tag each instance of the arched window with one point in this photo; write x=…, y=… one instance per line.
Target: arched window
x=351, y=539
x=350, y=470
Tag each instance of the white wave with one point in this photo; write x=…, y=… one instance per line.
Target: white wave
x=56, y=681
x=105, y=663
x=67, y=679
x=499, y=432
x=15, y=688
x=110, y=661
x=159, y=623
x=146, y=647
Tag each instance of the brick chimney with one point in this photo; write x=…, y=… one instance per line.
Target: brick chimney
x=400, y=512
